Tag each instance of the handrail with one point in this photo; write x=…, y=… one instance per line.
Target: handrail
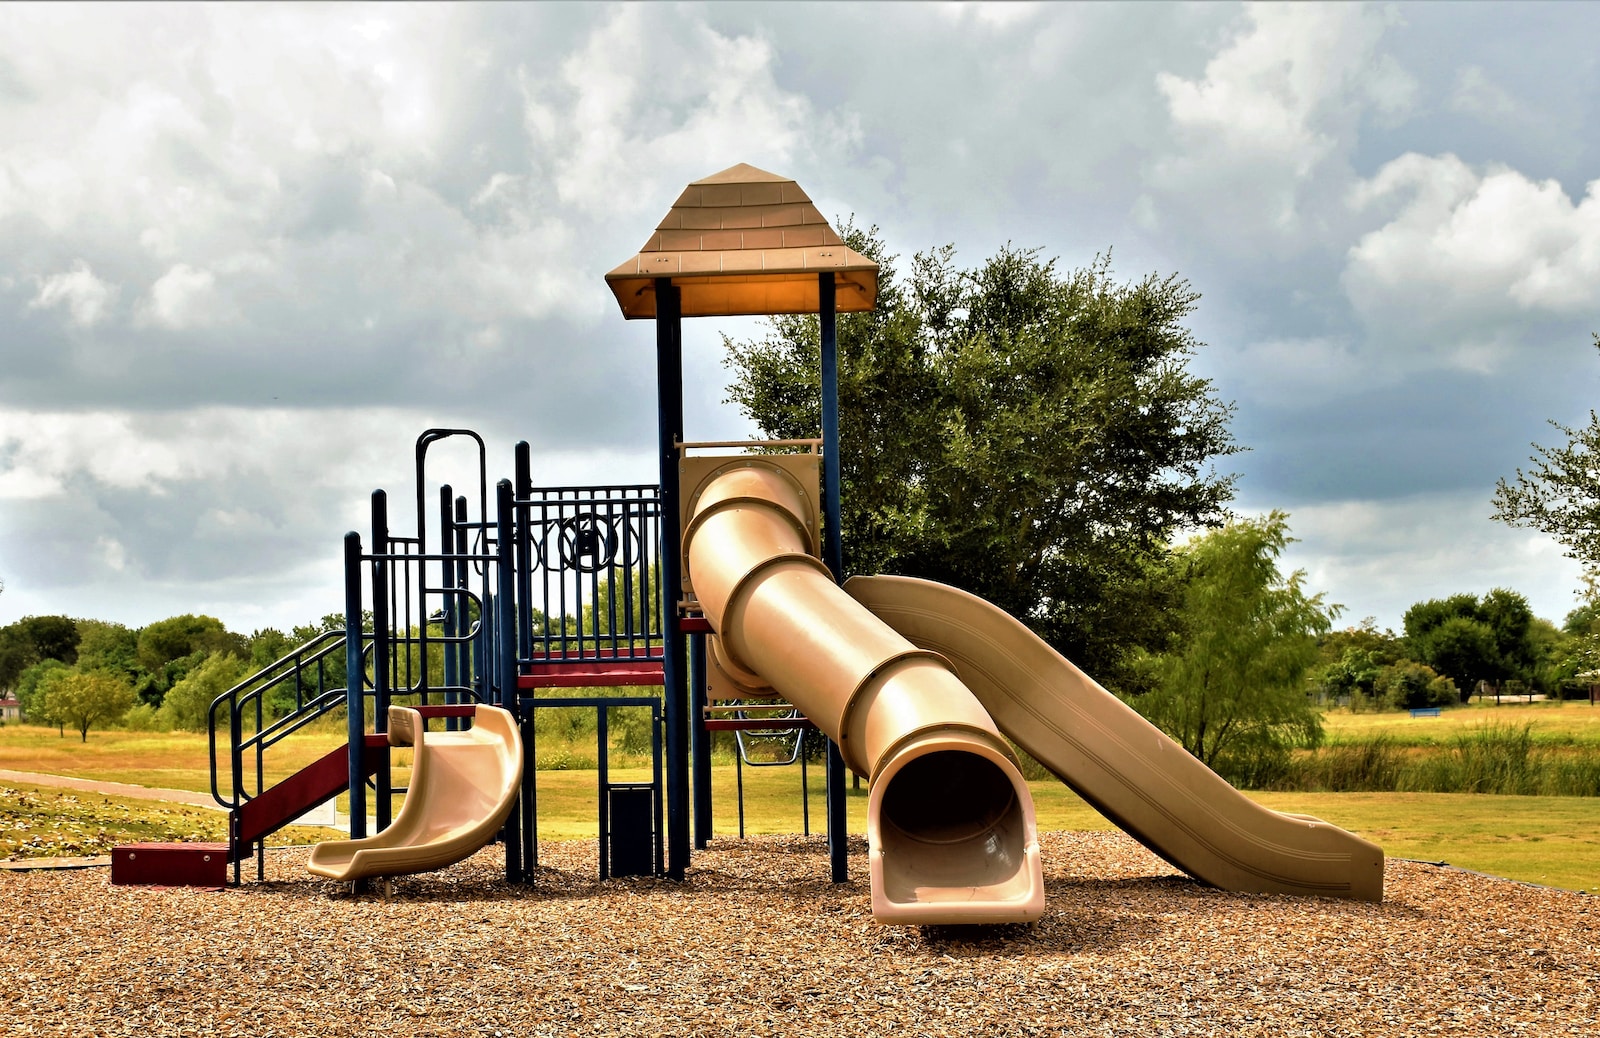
x=249, y=695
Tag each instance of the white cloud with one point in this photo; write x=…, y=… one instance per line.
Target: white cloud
x=1471, y=247
x=87, y=298
x=1475, y=93
x=988, y=14
x=1278, y=105
x=183, y=297
x=1378, y=558
x=620, y=123
x=112, y=553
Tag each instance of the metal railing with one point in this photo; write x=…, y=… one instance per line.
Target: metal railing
x=249, y=711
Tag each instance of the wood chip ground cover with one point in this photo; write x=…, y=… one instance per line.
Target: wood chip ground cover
x=757, y=942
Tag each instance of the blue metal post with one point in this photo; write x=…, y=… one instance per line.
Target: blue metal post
x=506, y=653
x=472, y=669
x=356, y=729
x=832, y=549
x=701, y=741
x=524, y=490
x=449, y=602
x=380, y=650
x=669, y=412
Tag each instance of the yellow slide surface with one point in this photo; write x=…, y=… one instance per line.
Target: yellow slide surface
x=463, y=785
x=1116, y=760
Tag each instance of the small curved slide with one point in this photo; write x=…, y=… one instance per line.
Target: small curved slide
x=463, y=785
x=1116, y=760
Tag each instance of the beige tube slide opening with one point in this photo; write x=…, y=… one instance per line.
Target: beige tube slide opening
x=950, y=821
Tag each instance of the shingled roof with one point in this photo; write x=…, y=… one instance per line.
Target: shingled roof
x=744, y=241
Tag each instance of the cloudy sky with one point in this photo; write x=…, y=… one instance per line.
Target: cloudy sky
x=248, y=253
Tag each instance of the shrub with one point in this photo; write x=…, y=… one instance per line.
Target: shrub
x=1408, y=685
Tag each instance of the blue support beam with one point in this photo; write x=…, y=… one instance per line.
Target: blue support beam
x=832, y=551
x=355, y=719
x=701, y=741
x=505, y=652
x=669, y=411
x=380, y=659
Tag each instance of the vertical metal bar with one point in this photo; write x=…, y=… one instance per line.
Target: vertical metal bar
x=656, y=724
x=738, y=775
x=669, y=398
x=832, y=548
x=530, y=793
x=467, y=653
x=506, y=667
x=448, y=601
x=805, y=789
x=701, y=741
x=355, y=724
x=524, y=555
x=380, y=649
x=604, y=765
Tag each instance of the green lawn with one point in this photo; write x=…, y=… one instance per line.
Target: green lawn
x=1548, y=840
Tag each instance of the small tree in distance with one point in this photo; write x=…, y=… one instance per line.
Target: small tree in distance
x=87, y=699
x=1234, y=691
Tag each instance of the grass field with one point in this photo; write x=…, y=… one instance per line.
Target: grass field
x=50, y=822
x=1548, y=840
x=1551, y=724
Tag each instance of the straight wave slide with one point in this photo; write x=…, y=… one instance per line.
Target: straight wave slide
x=1124, y=766
x=463, y=785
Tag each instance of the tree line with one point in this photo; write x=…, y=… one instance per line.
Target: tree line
x=83, y=673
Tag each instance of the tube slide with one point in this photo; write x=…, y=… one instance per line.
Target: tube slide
x=950, y=822
x=1116, y=760
x=463, y=785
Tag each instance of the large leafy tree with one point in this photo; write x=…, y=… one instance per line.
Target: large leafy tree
x=1235, y=692
x=1030, y=434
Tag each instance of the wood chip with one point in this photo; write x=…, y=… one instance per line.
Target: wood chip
x=758, y=942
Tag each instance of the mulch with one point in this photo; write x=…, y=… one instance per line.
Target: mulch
x=757, y=942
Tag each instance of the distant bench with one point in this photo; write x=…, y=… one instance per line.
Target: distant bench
x=1425, y=711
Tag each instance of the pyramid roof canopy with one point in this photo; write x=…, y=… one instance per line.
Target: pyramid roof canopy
x=744, y=241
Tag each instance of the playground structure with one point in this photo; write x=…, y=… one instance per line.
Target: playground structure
x=722, y=583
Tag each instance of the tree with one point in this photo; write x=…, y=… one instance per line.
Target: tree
x=111, y=647
x=1029, y=434
x=1472, y=641
x=168, y=649
x=1349, y=661
x=1408, y=685
x=32, y=685
x=87, y=698
x=1561, y=495
x=36, y=638
x=1234, y=692
x=187, y=704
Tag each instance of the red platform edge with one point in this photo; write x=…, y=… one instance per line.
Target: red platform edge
x=170, y=864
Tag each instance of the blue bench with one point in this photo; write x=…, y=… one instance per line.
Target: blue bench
x=1425, y=711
